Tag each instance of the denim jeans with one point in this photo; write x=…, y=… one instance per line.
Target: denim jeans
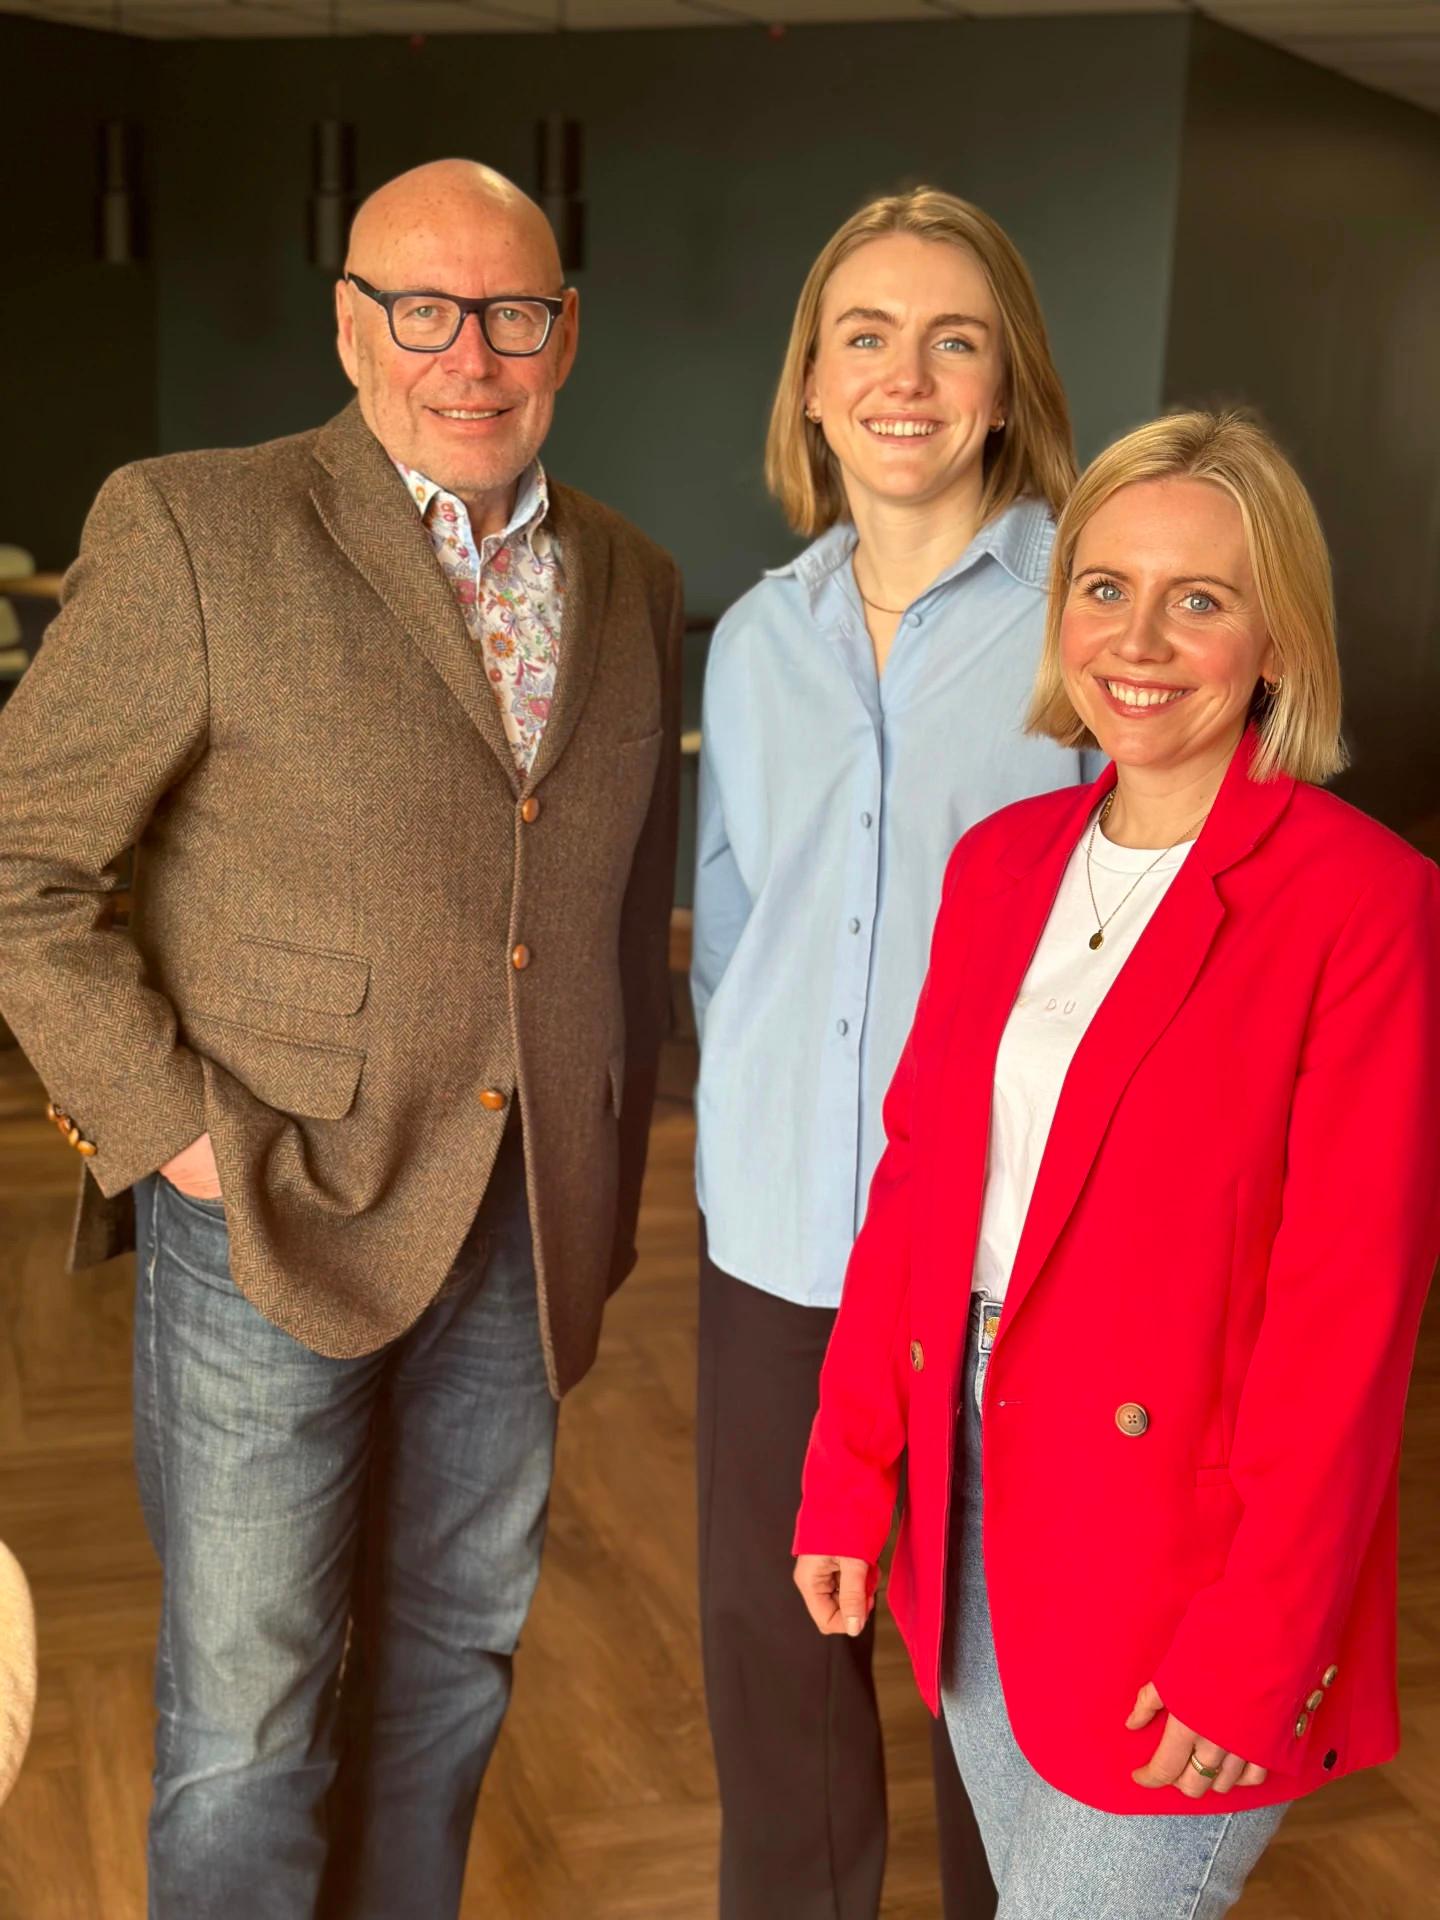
x=1053, y=1858
x=349, y=1550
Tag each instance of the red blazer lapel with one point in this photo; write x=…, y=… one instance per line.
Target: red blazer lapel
x=1151, y=989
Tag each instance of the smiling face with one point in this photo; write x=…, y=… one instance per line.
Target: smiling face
x=908, y=377
x=469, y=419
x=1162, y=636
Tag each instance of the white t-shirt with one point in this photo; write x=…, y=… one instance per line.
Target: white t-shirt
x=1058, y=999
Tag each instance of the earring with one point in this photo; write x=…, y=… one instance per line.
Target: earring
x=1272, y=687
x=812, y=415
x=999, y=427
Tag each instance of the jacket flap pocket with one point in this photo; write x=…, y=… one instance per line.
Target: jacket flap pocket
x=310, y=977
x=293, y=1076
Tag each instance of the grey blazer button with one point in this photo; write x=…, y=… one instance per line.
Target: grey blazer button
x=1132, y=1419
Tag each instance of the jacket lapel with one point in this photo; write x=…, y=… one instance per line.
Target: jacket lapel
x=1150, y=990
x=1007, y=917
x=585, y=557
x=364, y=507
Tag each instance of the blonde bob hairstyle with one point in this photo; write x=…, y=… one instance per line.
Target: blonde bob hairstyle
x=1032, y=454
x=1299, y=726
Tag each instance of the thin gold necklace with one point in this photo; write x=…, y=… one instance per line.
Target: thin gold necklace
x=1097, y=939
x=874, y=604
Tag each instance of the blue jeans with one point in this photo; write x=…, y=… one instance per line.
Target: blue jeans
x=349, y=1551
x=1053, y=1858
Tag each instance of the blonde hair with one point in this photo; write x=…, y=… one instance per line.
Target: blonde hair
x=1033, y=454
x=1299, y=726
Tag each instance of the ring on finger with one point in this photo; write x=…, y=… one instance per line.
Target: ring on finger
x=1206, y=1773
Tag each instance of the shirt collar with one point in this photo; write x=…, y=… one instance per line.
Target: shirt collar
x=532, y=500
x=1020, y=539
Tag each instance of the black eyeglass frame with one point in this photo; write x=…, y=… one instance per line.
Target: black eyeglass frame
x=554, y=306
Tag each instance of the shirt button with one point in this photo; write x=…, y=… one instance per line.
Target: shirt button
x=842, y=1027
x=520, y=958
x=492, y=1099
x=866, y=820
x=530, y=810
x=854, y=926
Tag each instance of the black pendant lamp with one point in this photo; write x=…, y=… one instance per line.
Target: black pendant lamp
x=119, y=222
x=332, y=192
x=558, y=162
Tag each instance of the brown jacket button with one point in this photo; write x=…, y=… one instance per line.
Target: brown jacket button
x=492, y=1099
x=86, y=1148
x=530, y=810
x=520, y=958
x=1132, y=1419
x=917, y=1356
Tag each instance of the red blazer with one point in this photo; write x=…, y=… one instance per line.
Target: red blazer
x=1234, y=1225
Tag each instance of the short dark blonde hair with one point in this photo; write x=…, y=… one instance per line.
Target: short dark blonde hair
x=1033, y=454
x=1299, y=726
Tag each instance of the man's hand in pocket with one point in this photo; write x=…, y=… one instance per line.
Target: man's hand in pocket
x=194, y=1171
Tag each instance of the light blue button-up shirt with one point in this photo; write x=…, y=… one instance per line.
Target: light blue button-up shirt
x=830, y=799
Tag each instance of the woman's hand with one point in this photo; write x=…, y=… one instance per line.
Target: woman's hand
x=838, y=1591
x=1170, y=1764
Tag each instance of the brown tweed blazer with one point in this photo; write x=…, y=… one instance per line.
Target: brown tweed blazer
x=261, y=682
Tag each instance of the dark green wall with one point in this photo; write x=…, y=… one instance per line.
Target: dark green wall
x=717, y=161
x=1307, y=283
x=77, y=346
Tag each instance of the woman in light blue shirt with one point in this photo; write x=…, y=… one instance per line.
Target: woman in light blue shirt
x=863, y=708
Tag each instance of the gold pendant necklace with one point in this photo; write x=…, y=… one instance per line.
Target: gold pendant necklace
x=1097, y=939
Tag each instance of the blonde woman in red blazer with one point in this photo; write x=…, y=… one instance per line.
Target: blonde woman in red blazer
x=1164, y=1582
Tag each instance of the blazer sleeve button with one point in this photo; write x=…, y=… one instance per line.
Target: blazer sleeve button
x=86, y=1149
x=1330, y=1676
x=917, y=1356
x=1132, y=1419
x=1316, y=1699
x=1301, y=1724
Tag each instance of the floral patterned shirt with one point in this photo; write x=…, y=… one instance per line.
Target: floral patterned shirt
x=511, y=590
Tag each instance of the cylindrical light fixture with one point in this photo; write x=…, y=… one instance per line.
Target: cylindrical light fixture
x=332, y=192
x=558, y=159
x=119, y=238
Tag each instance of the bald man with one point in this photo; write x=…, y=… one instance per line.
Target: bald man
x=390, y=719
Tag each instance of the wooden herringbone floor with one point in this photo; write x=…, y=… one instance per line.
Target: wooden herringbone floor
x=600, y=1804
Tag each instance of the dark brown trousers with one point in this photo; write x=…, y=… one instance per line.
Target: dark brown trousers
x=793, y=1715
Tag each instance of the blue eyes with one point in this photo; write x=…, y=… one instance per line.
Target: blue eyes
x=952, y=343
x=1108, y=593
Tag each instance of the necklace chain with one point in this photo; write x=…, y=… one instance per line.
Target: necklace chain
x=874, y=605
x=1097, y=939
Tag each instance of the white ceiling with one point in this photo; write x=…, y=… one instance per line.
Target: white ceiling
x=1395, y=47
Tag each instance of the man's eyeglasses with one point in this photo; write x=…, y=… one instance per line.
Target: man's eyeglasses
x=427, y=322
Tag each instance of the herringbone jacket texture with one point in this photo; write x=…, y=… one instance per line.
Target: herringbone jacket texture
x=261, y=682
